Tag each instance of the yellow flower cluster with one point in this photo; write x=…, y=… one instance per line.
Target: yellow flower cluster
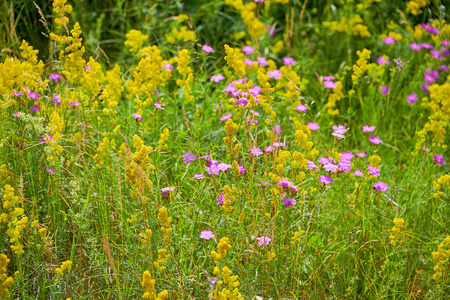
x=64, y=267
x=229, y=196
x=138, y=165
x=112, y=92
x=374, y=160
x=255, y=26
x=302, y=133
x=145, y=237
x=60, y=8
x=351, y=26
x=181, y=35
x=222, y=246
x=361, y=65
x=334, y=97
x=230, y=129
x=184, y=70
x=148, y=283
x=5, y=282
x=11, y=216
x=165, y=220
x=135, y=39
x=234, y=62
x=444, y=180
x=415, y=6
x=297, y=236
x=163, y=138
x=439, y=104
x=440, y=257
x=230, y=291
x=398, y=236
x=162, y=257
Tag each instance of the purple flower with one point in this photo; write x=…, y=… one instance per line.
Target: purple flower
x=274, y=74
x=444, y=68
x=189, y=157
x=86, y=68
x=33, y=96
x=389, y=40
x=347, y=155
x=383, y=61
x=50, y=170
x=327, y=78
x=436, y=54
x=313, y=126
x=438, y=159
x=374, y=171
x=339, y=131
x=363, y=154
x=415, y=47
x=17, y=94
x=325, y=179
x=56, y=99
x=288, y=61
x=206, y=234
x=217, y=78
x=330, y=84
x=248, y=50
x=35, y=108
x=242, y=101
x=166, y=191
x=158, y=105
x=426, y=46
x=56, y=77
x=330, y=167
x=375, y=139
x=137, y=117
x=358, y=173
x=264, y=240
x=301, y=107
x=221, y=199
x=384, y=90
x=345, y=165
x=262, y=61
x=167, y=66
x=324, y=160
x=16, y=115
x=76, y=103
x=255, y=151
x=255, y=113
x=289, y=202
x=46, y=138
x=424, y=88
x=412, y=98
x=199, y=176
x=380, y=186
x=311, y=166
x=207, y=49
x=248, y=62
x=367, y=128
x=277, y=129
x=226, y=117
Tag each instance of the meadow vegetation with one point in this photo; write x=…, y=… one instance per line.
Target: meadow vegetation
x=276, y=149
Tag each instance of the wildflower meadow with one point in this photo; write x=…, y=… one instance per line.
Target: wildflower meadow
x=236, y=149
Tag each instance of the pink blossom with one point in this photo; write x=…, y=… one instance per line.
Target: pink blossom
x=56, y=77
x=50, y=170
x=17, y=94
x=34, y=96
x=374, y=171
x=358, y=173
x=289, y=202
x=415, y=47
x=137, y=117
x=158, y=105
x=325, y=179
x=380, y=186
x=262, y=61
x=255, y=113
x=248, y=62
x=277, y=129
x=56, y=99
x=375, y=139
x=35, y=108
x=363, y=154
x=226, y=117
x=167, y=66
x=217, y=78
x=313, y=126
x=301, y=107
x=412, y=98
x=76, y=103
x=199, y=176
x=389, y=40
x=330, y=84
x=275, y=74
x=207, y=49
x=384, y=90
x=383, y=61
x=255, y=151
x=438, y=159
x=248, y=50
x=288, y=61
x=264, y=240
x=206, y=234
x=367, y=128
x=221, y=199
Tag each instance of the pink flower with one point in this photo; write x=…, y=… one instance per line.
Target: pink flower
x=206, y=234
x=339, y=131
x=330, y=84
x=255, y=113
x=137, y=117
x=50, y=170
x=327, y=78
x=56, y=99
x=189, y=157
x=207, y=49
x=289, y=202
x=380, y=186
x=221, y=199
x=301, y=107
x=358, y=173
x=374, y=171
x=16, y=115
x=330, y=167
x=415, y=47
x=262, y=61
x=248, y=62
x=248, y=50
x=438, y=159
x=311, y=166
x=167, y=66
x=383, y=61
x=158, y=105
x=347, y=155
x=226, y=117
x=46, y=138
x=412, y=98
x=325, y=179
x=255, y=151
x=313, y=126
x=436, y=54
x=17, y=94
x=56, y=77
x=389, y=40
x=264, y=240
x=217, y=78
x=375, y=139
x=289, y=61
x=166, y=191
x=363, y=154
x=367, y=128
x=384, y=90
x=277, y=129
x=199, y=176
x=274, y=74
x=35, y=108
x=34, y=96
x=86, y=68
x=76, y=103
